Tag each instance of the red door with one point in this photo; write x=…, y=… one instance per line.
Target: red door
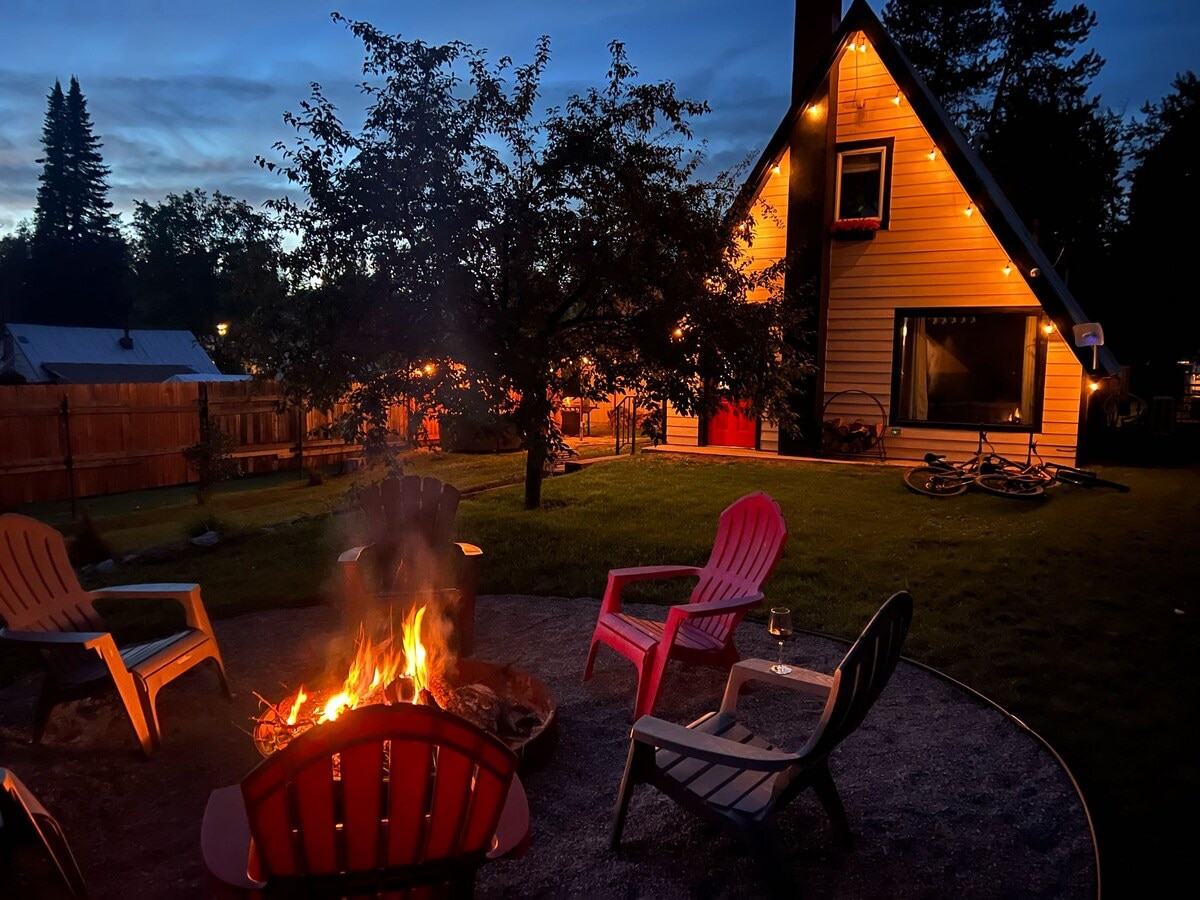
x=731, y=427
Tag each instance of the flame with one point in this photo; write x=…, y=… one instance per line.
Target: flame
x=414, y=651
x=300, y=698
x=375, y=667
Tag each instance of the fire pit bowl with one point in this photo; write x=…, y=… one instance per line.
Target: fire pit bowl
x=524, y=700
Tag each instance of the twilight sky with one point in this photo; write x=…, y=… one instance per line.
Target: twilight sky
x=185, y=94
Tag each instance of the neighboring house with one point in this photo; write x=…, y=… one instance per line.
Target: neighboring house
x=54, y=354
x=937, y=308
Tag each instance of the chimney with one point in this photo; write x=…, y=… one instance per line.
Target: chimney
x=816, y=21
x=126, y=342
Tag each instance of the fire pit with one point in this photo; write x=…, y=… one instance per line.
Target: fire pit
x=507, y=702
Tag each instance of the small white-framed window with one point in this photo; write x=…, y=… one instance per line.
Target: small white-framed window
x=864, y=176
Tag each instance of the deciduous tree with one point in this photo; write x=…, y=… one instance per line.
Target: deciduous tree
x=463, y=249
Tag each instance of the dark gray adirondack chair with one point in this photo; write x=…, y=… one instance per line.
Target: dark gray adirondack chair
x=719, y=769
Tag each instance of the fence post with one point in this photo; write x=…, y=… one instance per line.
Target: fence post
x=69, y=461
x=300, y=428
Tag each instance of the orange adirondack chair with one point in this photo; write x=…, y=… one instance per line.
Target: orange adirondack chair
x=410, y=521
x=418, y=800
x=749, y=542
x=44, y=605
x=17, y=802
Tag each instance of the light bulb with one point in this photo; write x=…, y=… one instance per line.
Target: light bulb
x=812, y=109
x=1093, y=386
x=1008, y=268
x=970, y=210
x=1048, y=328
x=933, y=153
x=775, y=170
x=896, y=99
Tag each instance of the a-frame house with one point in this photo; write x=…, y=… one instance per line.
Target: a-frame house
x=938, y=313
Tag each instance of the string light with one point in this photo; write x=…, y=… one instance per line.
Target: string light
x=896, y=99
x=862, y=48
x=970, y=210
x=1008, y=268
x=1048, y=328
x=932, y=153
x=812, y=109
x=775, y=170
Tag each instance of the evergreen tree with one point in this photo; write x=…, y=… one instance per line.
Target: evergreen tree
x=78, y=268
x=951, y=43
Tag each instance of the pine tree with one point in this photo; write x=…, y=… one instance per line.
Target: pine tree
x=79, y=265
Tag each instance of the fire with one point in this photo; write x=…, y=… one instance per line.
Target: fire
x=375, y=667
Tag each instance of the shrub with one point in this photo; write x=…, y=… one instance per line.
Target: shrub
x=88, y=547
x=212, y=461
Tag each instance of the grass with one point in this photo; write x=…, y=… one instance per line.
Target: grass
x=1076, y=614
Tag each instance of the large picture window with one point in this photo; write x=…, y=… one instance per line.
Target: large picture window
x=864, y=179
x=969, y=368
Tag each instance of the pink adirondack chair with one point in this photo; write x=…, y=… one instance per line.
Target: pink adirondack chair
x=44, y=605
x=749, y=542
x=417, y=801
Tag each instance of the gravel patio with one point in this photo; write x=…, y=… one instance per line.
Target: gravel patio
x=946, y=795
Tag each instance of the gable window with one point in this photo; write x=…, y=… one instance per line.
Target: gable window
x=969, y=368
x=864, y=180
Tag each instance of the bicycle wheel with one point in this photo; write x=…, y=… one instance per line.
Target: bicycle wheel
x=936, y=482
x=1006, y=486
x=1084, y=478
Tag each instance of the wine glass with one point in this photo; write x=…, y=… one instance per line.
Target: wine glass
x=780, y=625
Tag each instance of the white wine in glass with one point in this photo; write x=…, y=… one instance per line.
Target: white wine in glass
x=780, y=625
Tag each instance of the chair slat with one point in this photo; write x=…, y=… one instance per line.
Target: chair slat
x=410, y=793
x=315, y=820
x=452, y=790
x=362, y=804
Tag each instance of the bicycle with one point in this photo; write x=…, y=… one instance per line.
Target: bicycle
x=941, y=478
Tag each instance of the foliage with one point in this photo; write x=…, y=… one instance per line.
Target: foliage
x=78, y=264
x=464, y=252
x=1164, y=190
x=201, y=260
x=212, y=461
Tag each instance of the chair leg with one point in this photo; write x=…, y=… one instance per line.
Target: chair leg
x=133, y=697
x=640, y=755
x=650, y=677
x=591, y=657
x=220, y=663
x=41, y=714
x=766, y=845
x=827, y=793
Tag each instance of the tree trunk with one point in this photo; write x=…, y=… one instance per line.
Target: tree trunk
x=535, y=459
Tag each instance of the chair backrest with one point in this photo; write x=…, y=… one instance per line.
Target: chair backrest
x=749, y=542
x=47, y=829
x=861, y=676
x=410, y=520
x=39, y=590
x=417, y=793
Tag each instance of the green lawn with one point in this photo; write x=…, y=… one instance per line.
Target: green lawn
x=1076, y=614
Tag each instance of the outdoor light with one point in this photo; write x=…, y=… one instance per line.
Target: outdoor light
x=222, y=329
x=677, y=333
x=896, y=99
x=1008, y=268
x=970, y=210
x=812, y=109
x=862, y=48
x=775, y=170
x=429, y=368
x=1093, y=386
x=933, y=153
x=1048, y=328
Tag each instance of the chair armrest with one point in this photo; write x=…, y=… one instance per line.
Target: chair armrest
x=187, y=595
x=708, y=747
x=715, y=607
x=88, y=640
x=468, y=549
x=618, y=578
x=353, y=555
x=805, y=681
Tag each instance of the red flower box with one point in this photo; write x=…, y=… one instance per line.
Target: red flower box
x=854, y=229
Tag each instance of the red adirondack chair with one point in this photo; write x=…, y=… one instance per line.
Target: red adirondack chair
x=749, y=542
x=44, y=605
x=417, y=800
x=410, y=523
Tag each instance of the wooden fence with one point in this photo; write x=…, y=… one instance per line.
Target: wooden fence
x=59, y=441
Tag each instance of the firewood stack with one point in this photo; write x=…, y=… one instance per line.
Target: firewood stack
x=840, y=436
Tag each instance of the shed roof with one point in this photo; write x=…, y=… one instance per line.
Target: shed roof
x=56, y=352
x=974, y=176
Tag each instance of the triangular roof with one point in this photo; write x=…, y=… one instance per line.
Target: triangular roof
x=968, y=168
